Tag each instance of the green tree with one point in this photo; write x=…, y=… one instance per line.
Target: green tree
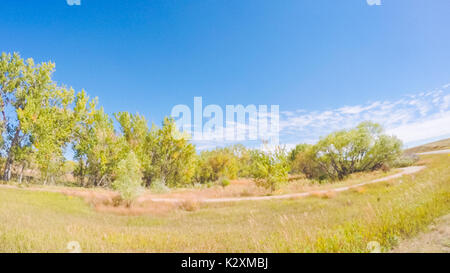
x=98, y=148
x=141, y=140
x=360, y=149
x=217, y=163
x=23, y=156
x=128, y=181
x=32, y=105
x=244, y=158
x=270, y=169
x=173, y=155
x=302, y=160
x=49, y=120
x=19, y=80
x=300, y=148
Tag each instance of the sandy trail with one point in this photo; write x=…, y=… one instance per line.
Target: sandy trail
x=435, y=152
x=107, y=195
x=404, y=171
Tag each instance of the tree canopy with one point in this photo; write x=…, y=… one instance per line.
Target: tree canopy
x=40, y=121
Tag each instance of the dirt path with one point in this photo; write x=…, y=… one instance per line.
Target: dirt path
x=435, y=240
x=435, y=152
x=108, y=195
x=405, y=171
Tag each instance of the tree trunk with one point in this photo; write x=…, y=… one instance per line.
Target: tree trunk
x=21, y=174
x=10, y=159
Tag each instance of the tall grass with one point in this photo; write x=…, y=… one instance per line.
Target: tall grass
x=386, y=212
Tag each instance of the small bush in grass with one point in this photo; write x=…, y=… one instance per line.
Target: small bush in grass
x=116, y=201
x=158, y=186
x=270, y=169
x=245, y=193
x=224, y=182
x=189, y=205
x=128, y=178
x=405, y=160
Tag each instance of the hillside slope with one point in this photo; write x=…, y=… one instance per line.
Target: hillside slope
x=433, y=146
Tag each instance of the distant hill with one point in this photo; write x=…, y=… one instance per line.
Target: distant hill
x=433, y=146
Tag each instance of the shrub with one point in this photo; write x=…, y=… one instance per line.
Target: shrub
x=158, y=186
x=405, y=160
x=224, y=182
x=363, y=148
x=300, y=148
x=189, y=205
x=270, y=169
x=128, y=180
x=304, y=163
x=212, y=165
x=243, y=156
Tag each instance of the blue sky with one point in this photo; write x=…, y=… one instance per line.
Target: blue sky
x=313, y=58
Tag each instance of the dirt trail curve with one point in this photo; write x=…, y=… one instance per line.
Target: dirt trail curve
x=405, y=171
x=109, y=194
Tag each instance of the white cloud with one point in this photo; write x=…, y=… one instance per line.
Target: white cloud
x=412, y=118
x=425, y=129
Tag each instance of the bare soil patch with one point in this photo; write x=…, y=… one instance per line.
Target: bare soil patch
x=435, y=240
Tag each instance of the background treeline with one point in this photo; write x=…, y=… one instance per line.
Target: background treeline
x=40, y=120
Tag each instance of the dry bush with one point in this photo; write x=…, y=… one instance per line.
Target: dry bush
x=359, y=190
x=148, y=208
x=189, y=205
x=93, y=197
x=246, y=193
x=324, y=195
x=385, y=168
x=116, y=201
x=329, y=195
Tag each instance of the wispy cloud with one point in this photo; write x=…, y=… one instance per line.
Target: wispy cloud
x=412, y=118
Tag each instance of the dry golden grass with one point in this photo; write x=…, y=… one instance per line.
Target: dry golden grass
x=104, y=200
x=306, y=185
x=148, y=208
x=360, y=190
x=37, y=221
x=246, y=187
x=324, y=194
x=189, y=205
x=236, y=188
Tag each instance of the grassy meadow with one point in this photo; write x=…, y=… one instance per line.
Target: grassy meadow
x=386, y=212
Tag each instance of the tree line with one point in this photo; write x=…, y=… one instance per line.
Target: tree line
x=40, y=120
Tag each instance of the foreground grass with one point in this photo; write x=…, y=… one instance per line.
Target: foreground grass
x=385, y=212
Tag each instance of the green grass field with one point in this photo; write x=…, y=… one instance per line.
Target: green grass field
x=385, y=212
